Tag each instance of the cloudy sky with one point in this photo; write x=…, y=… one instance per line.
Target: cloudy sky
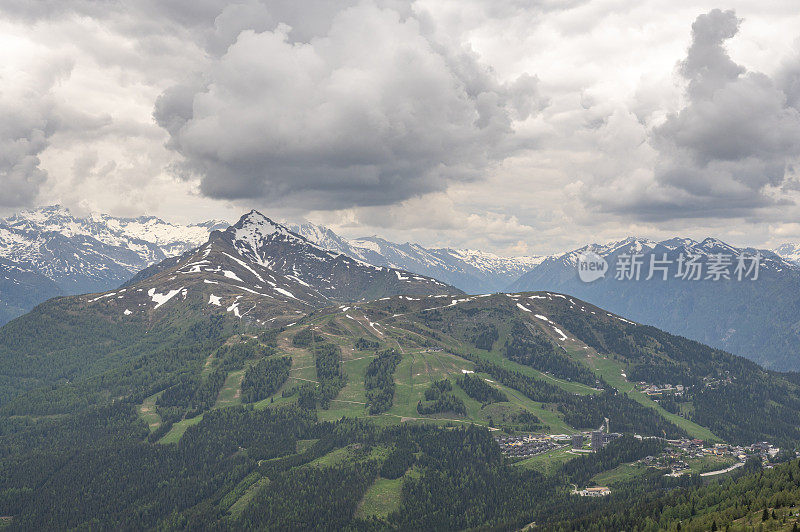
x=521, y=127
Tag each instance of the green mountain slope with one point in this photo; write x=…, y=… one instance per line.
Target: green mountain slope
x=256, y=274
x=182, y=418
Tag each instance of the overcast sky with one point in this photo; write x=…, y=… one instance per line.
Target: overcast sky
x=521, y=127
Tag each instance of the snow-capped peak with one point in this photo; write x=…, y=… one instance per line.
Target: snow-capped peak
x=173, y=239
x=715, y=245
x=707, y=247
x=254, y=232
x=96, y=251
x=255, y=224
x=492, y=262
x=678, y=242
x=790, y=251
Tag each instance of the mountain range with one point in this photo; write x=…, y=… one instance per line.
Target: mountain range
x=256, y=273
x=48, y=252
x=261, y=381
x=260, y=271
x=473, y=271
x=790, y=251
x=756, y=318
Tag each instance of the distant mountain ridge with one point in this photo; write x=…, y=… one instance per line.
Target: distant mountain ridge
x=472, y=271
x=790, y=251
x=706, y=247
x=261, y=271
x=758, y=319
x=54, y=253
x=48, y=252
x=58, y=253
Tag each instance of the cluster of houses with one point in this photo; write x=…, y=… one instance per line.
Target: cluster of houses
x=657, y=390
x=530, y=444
x=680, y=452
x=676, y=457
x=713, y=382
x=598, y=491
x=533, y=444
x=698, y=448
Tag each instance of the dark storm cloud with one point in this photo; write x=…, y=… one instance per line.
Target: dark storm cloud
x=372, y=112
x=719, y=155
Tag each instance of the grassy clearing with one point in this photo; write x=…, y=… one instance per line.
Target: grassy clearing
x=277, y=399
x=551, y=418
x=351, y=453
x=304, y=445
x=339, y=409
x=419, y=367
x=231, y=391
x=335, y=457
x=241, y=503
x=622, y=473
x=208, y=365
x=496, y=357
x=303, y=365
x=413, y=375
x=410, y=380
x=710, y=463
x=355, y=369
x=381, y=499
x=547, y=463
x=176, y=432
x=148, y=414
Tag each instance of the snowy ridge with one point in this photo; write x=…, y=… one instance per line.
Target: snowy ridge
x=790, y=252
x=98, y=247
x=470, y=270
x=258, y=270
x=331, y=272
x=66, y=254
x=140, y=234
x=489, y=262
x=709, y=246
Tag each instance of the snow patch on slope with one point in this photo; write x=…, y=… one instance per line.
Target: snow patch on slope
x=160, y=299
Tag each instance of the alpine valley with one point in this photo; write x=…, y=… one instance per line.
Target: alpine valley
x=259, y=380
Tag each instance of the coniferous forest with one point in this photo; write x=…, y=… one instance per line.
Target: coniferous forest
x=210, y=425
